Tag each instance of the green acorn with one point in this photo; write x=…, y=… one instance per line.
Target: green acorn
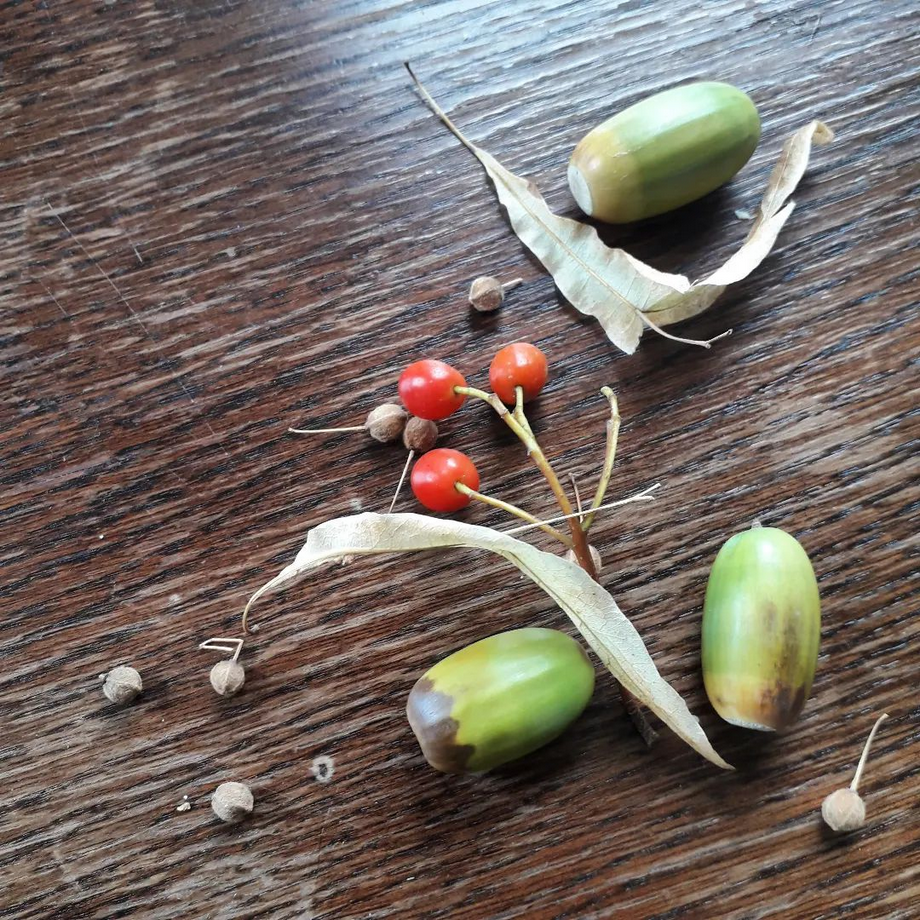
x=499, y=699
x=664, y=152
x=761, y=629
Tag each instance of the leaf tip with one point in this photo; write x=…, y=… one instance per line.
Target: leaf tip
x=823, y=134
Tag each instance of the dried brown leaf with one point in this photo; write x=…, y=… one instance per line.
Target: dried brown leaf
x=593, y=611
x=622, y=293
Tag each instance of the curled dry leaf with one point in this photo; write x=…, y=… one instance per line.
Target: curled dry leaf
x=622, y=293
x=593, y=611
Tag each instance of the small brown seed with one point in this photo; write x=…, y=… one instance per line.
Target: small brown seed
x=844, y=811
x=227, y=677
x=420, y=435
x=232, y=802
x=486, y=294
x=386, y=422
x=122, y=684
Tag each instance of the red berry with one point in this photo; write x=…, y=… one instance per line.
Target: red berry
x=426, y=389
x=435, y=475
x=519, y=365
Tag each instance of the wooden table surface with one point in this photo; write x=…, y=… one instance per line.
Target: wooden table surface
x=222, y=218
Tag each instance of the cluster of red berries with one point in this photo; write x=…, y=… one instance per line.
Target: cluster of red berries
x=434, y=390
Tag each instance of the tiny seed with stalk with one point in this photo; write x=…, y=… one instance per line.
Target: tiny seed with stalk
x=384, y=424
x=487, y=293
x=843, y=810
x=227, y=677
x=420, y=435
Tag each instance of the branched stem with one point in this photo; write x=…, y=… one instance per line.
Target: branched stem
x=517, y=422
x=519, y=415
x=644, y=496
x=577, y=496
x=517, y=512
x=613, y=432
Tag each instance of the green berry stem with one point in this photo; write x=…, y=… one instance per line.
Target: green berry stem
x=613, y=431
x=518, y=413
x=517, y=512
x=518, y=423
x=643, y=496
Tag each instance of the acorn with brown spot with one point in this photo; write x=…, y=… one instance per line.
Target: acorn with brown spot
x=761, y=629
x=499, y=699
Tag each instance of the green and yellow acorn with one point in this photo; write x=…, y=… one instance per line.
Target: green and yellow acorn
x=761, y=629
x=499, y=699
x=664, y=152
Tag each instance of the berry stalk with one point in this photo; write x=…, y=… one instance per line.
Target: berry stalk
x=517, y=422
x=613, y=431
x=516, y=511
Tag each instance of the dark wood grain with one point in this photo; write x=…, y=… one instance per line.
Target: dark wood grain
x=221, y=218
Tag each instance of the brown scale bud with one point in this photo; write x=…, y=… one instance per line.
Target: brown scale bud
x=420, y=435
x=595, y=557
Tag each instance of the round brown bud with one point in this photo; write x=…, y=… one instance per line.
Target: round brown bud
x=420, y=435
x=595, y=556
x=386, y=422
x=232, y=802
x=122, y=684
x=486, y=294
x=844, y=811
x=227, y=677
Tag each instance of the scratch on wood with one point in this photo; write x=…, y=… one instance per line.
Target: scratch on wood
x=48, y=292
x=98, y=267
